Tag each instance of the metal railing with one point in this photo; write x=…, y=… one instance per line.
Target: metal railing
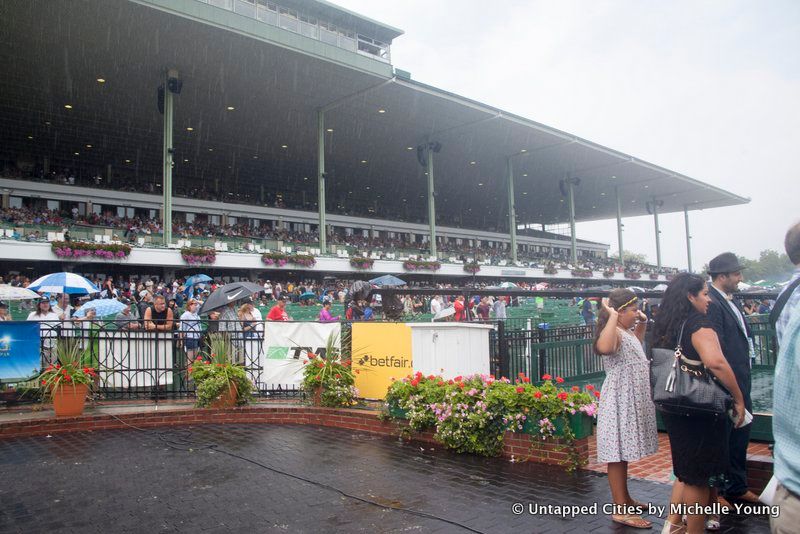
x=135, y=363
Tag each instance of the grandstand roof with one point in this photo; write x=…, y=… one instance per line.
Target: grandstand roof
x=53, y=53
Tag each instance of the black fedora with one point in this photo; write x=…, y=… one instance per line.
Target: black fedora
x=727, y=262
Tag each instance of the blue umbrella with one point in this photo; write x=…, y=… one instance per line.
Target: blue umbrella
x=71, y=283
x=103, y=307
x=197, y=279
x=387, y=280
x=308, y=295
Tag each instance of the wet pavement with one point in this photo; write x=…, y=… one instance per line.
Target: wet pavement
x=191, y=480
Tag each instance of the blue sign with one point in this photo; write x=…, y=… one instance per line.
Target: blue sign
x=19, y=349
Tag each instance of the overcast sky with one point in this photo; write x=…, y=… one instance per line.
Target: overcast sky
x=709, y=89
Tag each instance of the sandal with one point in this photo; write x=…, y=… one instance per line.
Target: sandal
x=632, y=520
x=712, y=523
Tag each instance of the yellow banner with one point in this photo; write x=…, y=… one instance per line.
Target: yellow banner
x=380, y=352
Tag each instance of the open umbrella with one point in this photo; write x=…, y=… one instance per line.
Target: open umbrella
x=197, y=279
x=103, y=307
x=8, y=292
x=71, y=283
x=387, y=280
x=360, y=290
x=444, y=313
x=509, y=285
x=229, y=293
x=308, y=295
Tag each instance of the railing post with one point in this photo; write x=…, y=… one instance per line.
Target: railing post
x=542, y=352
x=502, y=349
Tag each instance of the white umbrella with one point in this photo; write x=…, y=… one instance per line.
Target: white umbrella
x=8, y=292
x=71, y=283
x=444, y=313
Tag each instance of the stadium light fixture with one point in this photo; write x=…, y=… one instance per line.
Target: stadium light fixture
x=602, y=194
x=88, y=146
x=363, y=161
x=255, y=157
x=284, y=146
x=409, y=148
x=68, y=106
x=30, y=137
x=77, y=153
x=127, y=161
x=472, y=162
x=480, y=184
x=189, y=129
x=101, y=80
x=211, y=150
x=329, y=130
x=646, y=186
x=381, y=110
x=524, y=192
x=523, y=150
x=186, y=161
x=230, y=108
x=525, y=175
x=47, y=123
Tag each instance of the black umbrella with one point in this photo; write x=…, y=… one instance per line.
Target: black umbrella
x=360, y=290
x=229, y=293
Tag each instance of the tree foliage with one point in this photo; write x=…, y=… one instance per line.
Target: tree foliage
x=771, y=266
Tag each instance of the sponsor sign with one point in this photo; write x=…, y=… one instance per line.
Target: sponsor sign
x=286, y=347
x=381, y=352
x=19, y=349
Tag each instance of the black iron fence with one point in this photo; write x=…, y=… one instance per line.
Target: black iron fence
x=138, y=363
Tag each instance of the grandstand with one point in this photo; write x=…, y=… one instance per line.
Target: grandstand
x=233, y=119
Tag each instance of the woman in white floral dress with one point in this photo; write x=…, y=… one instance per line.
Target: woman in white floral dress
x=626, y=417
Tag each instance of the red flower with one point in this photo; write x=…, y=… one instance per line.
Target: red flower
x=563, y=395
x=44, y=382
x=415, y=382
x=431, y=377
x=538, y=394
x=461, y=385
x=419, y=374
x=199, y=358
x=491, y=376
x=458, y=378
x=597, y=394
x=191, y=368
x=450, y=382
x=440, y=384
x=338, y=375
x=520, y=389
x=320, y=365
x=546, y=377
x=589, y=387
x=521, y=375
x=575, y=388
x=559, y=380
x=526, y=380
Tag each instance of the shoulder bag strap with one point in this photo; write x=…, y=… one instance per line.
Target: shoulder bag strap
x=781, y=302
x=673, y=373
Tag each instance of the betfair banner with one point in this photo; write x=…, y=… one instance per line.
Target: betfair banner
x=20, y=349
x=380, y=352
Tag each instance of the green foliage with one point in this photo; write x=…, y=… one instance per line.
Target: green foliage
x=68, y=371
x=213, y=373
x=331, y=374
x=471, y=414
x=771, y=265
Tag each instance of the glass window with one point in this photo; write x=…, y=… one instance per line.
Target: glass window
x=15, y=202
x=232, y=221
x=287, y=21
x=245, y=7
x=224, y=4
x=330, y=37
x=214, y=219
x=267, y=15
x=309, y=30
x=190, y=217
x=52, y=204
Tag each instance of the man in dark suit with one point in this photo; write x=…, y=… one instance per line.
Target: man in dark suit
x=734, y=338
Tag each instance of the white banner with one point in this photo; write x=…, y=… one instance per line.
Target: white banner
x=147, y=359
x=286, y=346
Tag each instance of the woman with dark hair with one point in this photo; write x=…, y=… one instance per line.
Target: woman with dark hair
x=626, y=418
x=699, y=443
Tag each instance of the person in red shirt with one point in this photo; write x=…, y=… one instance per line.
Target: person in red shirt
x=278, y=312
x=460, y=309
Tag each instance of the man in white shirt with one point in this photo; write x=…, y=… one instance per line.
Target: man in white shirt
x=436, y=305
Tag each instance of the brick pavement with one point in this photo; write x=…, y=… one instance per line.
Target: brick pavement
x=129, y=481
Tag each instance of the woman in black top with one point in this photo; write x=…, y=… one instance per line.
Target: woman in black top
x=699, y=443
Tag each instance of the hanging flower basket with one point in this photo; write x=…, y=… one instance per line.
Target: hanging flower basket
x=199, y=255
x=472, y=267
x=419, y=265
x=670, y=277
x=582, y=273
x=304, y=260
x=550, y=270
x=361, y=263
x=80, y=249
x=608, y=274
x=278, y=259
x=653, y=276
x=632, y=275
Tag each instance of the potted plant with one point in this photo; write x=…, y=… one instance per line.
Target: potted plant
x=67, y=382
x=550, y=270
x=608, y=274
x=360, y=262
x=304, y=260
x=633, y=275
x=199, y=255
x=220, y=383
x=421, y=265
x=329, y=377
x=581, y=273
x=472, y=267
x=653, y=276
x=275, y=258
x=80, y=249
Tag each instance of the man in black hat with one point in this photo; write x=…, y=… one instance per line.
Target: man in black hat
x=734, y=338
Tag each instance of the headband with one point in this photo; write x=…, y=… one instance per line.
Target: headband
x=634, y=299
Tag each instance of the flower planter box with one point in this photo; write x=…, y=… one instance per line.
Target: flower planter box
x=580, y=422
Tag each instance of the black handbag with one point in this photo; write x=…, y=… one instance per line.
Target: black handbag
x=683, y=386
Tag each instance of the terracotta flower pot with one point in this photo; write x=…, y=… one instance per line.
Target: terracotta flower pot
x=227, y=399
x=68, y=401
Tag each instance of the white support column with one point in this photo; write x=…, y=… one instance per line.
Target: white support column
x=688, y=238
x=166, y=212
x=512, y=212
x=619, y=226
x=431, y=199
x=323, y=238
